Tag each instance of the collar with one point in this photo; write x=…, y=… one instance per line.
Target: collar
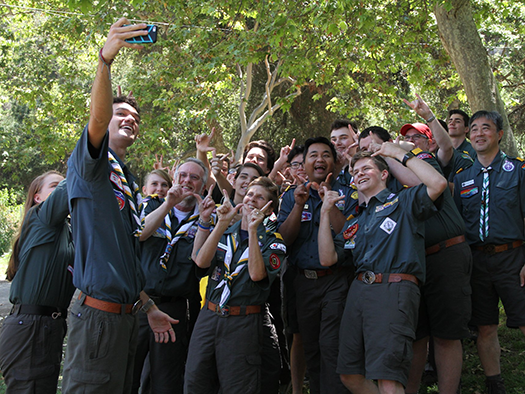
x=496, y=164
x=381, y=197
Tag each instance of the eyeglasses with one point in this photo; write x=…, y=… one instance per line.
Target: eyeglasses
x=295, y=165
x=415, y=137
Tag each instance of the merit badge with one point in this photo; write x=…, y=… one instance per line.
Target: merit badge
x=120, y=199
x=424, y=155
x=350, y=244
x=116, y=180
x=469, y=192
x=306, y=216
x=508, y=166
x=388, y=225
x=274, y=261
x=350, y=231
x=340, y=205
x=467, y=183
x=216, y=274
x=278, y=246
x=355, y=195
x=192, y=231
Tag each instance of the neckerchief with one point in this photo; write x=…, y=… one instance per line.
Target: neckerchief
x=127, y=191
x=182, y=231
x=227, y=280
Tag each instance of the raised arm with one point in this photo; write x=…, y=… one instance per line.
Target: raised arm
x=101, y=110
x=289, y=229
x=443, y=140
x=256, y=266
x=434, y=181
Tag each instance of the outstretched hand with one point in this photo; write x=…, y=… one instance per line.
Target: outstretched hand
x=206, y=205
x=160, y=323
x=118, y=33
x=202, y=141
x=302, y=191
x=421, y=108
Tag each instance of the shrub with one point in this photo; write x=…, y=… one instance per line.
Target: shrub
x=10, y=214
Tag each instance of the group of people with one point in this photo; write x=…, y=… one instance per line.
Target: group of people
x=364, y=247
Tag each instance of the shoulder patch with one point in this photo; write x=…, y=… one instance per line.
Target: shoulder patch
x=519, y=159
x=278, y=236
x=458, y=171
x=278, y=246
x=274, y=261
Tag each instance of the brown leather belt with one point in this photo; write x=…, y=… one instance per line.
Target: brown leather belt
x=107, y=306
x=370, y=277
x=315, y=274
x=234, y=310
x=493, y=249
x=445, y=244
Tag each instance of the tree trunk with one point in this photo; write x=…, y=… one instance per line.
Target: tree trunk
x=460, y=37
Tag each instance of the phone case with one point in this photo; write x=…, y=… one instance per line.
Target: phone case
x=149, y=39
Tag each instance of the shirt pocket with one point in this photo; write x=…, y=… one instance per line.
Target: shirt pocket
x=506, y=192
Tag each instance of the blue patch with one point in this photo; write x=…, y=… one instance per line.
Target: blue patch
x=306, y=216
x=121, y=199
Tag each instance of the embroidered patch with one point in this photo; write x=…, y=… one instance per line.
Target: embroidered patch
x=278, y=236
x=350, y=244
x=388, y=225
x=391, y=195
x=278, y=246
x=274, y=261
x=355, y=195
x=469, y=192
x=424, y=155
x=386, y=205
x=192, y=231
x=120, y=199
x=260, y=244
x=523, y=166
x=350, y=231
x=508, y=166
x=116, y=180
x=467, y=183
x=306, y=216
x=216, y=274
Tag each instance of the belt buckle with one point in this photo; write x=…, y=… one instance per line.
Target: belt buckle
x=369, y=277
x=222, y=312
x=136, y=307
x=310, y=274
x=489, y=249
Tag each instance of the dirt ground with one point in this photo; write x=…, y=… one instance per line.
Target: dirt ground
x=5, y=305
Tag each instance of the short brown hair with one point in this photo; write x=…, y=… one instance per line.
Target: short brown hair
x=271, y=188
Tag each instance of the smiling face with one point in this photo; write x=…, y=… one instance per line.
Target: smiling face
x=297, y=166
x=368, y=179
x=156, y=185
x=456, y=126
x=124, y=125
x=418, y=139
x=484, y=136
x=246, y=176
x=258, y=156
x=49, y=184
x=318, y=162
x=342, y=139
x=190, y=177
x=256, y=198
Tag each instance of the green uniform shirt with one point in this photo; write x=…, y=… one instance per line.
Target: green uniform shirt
x=44, y=275
x=243, y=290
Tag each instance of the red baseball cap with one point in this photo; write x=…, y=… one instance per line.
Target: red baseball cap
x=420, y=127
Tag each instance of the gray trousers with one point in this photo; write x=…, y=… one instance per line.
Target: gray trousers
x=100, y=351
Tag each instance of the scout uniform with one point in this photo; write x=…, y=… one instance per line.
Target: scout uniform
x=320, y=291
x=172, y=282
x=386, y=239
x=466, y=147
x=492, y=203
x=226, y=342
x=32, y=335
x=105, y=222
x=445, y=297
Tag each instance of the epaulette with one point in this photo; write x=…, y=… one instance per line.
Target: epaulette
x=519, y=158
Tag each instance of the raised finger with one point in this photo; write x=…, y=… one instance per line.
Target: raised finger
x=266, y=207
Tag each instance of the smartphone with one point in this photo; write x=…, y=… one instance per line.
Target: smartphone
x=149, y=39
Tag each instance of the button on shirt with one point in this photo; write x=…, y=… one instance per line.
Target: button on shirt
x=507, y=200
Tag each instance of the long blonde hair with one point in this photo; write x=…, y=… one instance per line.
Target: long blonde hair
x=34, y=188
